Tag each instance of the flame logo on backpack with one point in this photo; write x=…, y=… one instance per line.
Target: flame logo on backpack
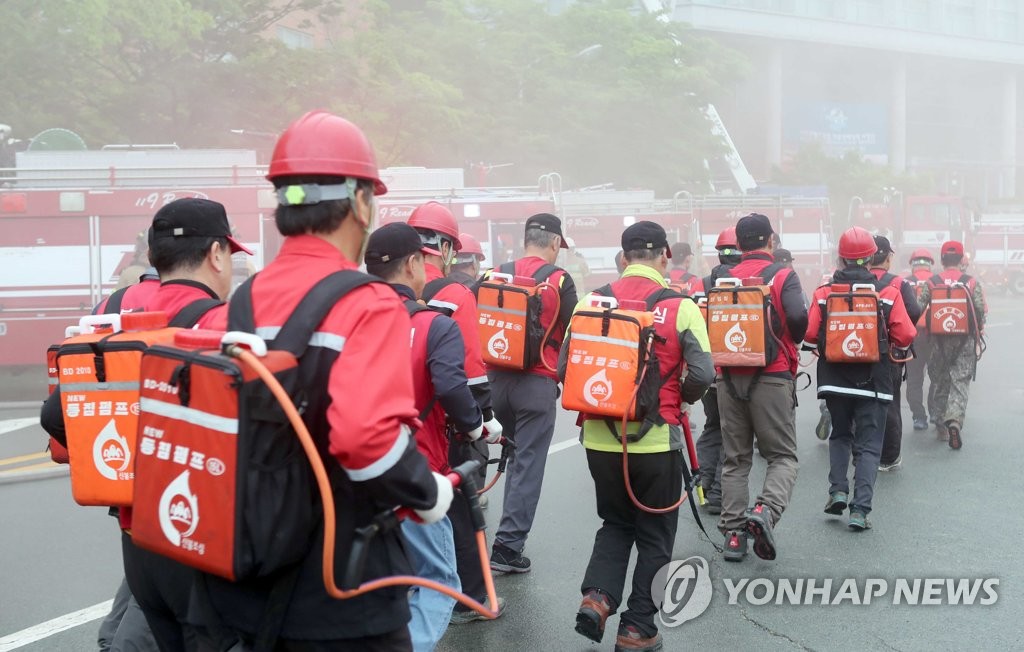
x=497, y=346
x=735, y=338
x=853, y=345
x=949, y=324
x=597, y=389
x=178, y=510
x=110, y=452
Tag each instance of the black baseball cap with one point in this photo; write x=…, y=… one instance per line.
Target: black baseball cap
x=883, y=245
x=392, y=242
x=782, y=255
x=547, y=222
x=194, y=217
x=645, y=235
x=753, y=231
x=681, y=250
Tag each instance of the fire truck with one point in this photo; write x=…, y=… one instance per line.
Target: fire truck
x=997, y=249
x=69, y=222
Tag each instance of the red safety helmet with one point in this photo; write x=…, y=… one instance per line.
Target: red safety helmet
x=921, y=254
x=470, y=246
x=433, y=216
x=727, y=239
x=856, y=243
x=323, y=144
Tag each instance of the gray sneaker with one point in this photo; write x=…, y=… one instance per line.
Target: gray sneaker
x=468, y=616
x=859, y=521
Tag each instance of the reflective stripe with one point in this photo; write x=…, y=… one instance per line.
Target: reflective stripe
x=385, y=462
x=322, y=339
x=507, y=311
x=851, y=314
x=610, y=340
x=118, y=386
x=52, y=381
x=821, y=302
x=479, y=380
x=736, y=306
x=962, y=300
x=833, y=389
x=886, y=301
x=189, y=415
x=447, y=305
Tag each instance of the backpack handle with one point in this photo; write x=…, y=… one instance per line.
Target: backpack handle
x=253, y=342
x=501, y=276
x=862, y=286
x=728, y=281
x=90, y=322
x=611, y=303
x=72, y=331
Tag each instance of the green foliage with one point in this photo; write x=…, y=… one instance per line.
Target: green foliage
x=601, y=92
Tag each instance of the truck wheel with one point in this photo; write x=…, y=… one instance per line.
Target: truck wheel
x=1017, y=284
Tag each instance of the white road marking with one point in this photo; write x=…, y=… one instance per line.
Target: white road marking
x=999, y=324
x=55, y=626
x=10, y=425
x=563, y=445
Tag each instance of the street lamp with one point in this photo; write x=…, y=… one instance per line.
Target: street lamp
x=585, y=52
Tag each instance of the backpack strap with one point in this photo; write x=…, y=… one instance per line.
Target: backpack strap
x=193, y=312
x=603, y=291
x=313, y=308
x=414, y=308
x=240, y=316
x=507, y=268
x=544, y=272
x=431, y=289
x=114, y=301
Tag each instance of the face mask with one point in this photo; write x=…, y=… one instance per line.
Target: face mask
x=371, y=219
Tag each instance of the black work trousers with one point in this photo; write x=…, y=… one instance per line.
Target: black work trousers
x=657, y=481
x=710, y=453
x=467, y=554
x=893, y=440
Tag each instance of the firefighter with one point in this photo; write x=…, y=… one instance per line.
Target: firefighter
x=921, y=262
x=857, y=394
x=360, y=401
x=880, y=265
x=682, y=257
x=954, y=359
x=783, y=257
x=135, y=285
x=709, y=444
x=190, y=246
x=466, y=268
x=576, y=265
x=761, y=402
x=655, y=461
x=138, y=266
x=439, y=233
x=395, y=254
x=525, y=402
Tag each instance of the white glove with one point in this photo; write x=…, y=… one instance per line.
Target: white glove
x=476, y=433
x=493, y=429
x=445, y=493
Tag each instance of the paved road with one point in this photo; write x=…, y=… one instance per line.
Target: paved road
x=944, y=515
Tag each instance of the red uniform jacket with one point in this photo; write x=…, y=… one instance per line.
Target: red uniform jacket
x=135, y=297
x=461, y=302
x=691, y=282
x=172, y=296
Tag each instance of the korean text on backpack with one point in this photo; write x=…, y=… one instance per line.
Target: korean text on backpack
x=853, y=324
x=223, y=483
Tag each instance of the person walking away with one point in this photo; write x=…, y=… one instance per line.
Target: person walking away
x=360, y=406
x=395, y=254
x=439, y=232
x=880, y=265
x=955, y=351
x=921, y=262
x=857, y=393
x=525, y=402
x=680, y=275
x=655, y=460
x=761, y=402
x=576, y=265
x=709, y=445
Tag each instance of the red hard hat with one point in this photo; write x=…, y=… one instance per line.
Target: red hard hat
x=433, y=216
x=856, y=243
x=323, y=144
x=922, y=253
x=952, y=247
x=470, y=246
x=727, y=239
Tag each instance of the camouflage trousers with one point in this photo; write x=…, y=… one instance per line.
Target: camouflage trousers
x=951, y=368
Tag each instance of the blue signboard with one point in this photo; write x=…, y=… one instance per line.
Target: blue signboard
x=838, y=127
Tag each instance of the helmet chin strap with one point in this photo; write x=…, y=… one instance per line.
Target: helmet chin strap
x=369, y=218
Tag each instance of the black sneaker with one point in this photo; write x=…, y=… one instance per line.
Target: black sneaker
x=735, y=546
x=953, y=428
x=920, y=424
x=837, y=502
x=713, y=507
x=759, y=525
x=507, y=560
